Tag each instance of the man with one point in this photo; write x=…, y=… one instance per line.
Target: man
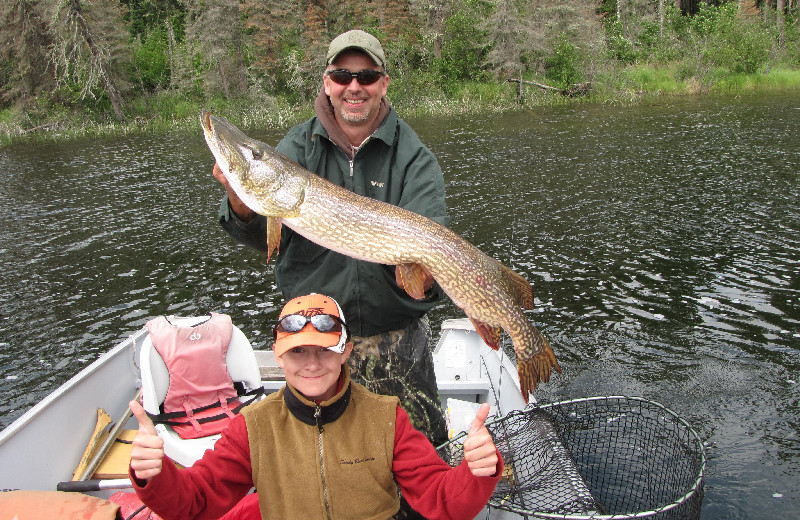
x=321, y=447
x=356, y=140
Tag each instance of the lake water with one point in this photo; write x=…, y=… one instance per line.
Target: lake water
x=662, y=241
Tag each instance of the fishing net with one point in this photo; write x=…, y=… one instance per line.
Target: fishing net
x=595, y=458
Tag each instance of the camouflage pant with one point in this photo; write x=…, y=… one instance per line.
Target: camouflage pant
x=400, y=363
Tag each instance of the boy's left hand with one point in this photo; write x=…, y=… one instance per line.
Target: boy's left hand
x=479, y=449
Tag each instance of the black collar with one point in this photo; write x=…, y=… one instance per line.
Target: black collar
x=317, y=414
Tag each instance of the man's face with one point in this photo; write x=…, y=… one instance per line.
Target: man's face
x=355, y=104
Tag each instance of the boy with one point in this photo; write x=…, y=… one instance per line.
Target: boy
x=321, y=447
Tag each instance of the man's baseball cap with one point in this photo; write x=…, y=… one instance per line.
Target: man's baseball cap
x=311, y=320
x=357, y=39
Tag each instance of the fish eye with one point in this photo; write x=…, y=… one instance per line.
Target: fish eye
x=257, y=154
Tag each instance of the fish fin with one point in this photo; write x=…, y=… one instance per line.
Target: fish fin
x=490, y=335
x=273, y=236
x=524, y=290
x=412, y=277
x=532, y=371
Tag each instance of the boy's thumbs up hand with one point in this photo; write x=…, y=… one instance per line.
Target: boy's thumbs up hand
x=479, y=449
x=148, y=448
x=145, y=423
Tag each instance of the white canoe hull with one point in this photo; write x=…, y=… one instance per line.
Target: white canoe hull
x=43, y=446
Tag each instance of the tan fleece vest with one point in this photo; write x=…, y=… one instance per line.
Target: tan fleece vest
x=343, y=472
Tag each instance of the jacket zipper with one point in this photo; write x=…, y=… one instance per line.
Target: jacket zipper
x=356, y=149
x=320, y=430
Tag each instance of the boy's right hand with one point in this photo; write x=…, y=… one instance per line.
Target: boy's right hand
x=148, y=448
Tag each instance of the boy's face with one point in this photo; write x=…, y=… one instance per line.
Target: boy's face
x=314, y=371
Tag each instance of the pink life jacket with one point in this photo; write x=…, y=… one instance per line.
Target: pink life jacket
x=199, y=382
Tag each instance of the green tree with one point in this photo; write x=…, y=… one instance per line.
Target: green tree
x=548, y=20
x=158, y=27
x=152, y=61
x=465, y=42
x=509, y=31
x=563, y=67
x=737, y=43
x=432, y=14
x=214, y=32
x=145, y=16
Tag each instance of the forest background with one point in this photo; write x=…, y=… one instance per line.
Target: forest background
x=91, y=67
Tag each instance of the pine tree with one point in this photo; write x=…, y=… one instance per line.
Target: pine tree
x=90, y=46
x=24, y=39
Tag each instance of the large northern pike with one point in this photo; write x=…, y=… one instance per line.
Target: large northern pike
x=489, y=293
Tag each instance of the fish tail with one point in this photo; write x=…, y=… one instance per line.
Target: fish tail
x=537, y=368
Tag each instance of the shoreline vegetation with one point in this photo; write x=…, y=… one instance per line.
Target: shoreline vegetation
x=174, y=112
x=88, y=69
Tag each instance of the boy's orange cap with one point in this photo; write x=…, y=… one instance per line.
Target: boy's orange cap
x=311, y=305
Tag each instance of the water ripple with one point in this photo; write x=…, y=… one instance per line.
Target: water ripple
x=661, y=242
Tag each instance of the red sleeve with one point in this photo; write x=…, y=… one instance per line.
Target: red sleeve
x=207, y=490
x=431, y=487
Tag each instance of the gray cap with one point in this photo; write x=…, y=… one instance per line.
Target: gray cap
x=357, y=39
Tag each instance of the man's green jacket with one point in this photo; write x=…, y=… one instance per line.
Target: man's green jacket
x=392, y=166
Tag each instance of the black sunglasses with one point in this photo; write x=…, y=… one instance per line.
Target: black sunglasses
x=364, y=77
x=322, y=322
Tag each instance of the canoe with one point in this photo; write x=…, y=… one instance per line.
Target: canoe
x=592, y=458
x=42, y=447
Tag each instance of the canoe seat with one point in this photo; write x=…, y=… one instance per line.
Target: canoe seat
x=242, y=367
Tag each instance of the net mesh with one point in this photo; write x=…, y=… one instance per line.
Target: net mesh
x=596, y=458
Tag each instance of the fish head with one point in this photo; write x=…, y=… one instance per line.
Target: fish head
x=266, y=181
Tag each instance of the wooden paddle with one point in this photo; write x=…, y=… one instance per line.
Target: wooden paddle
x=107, y=442
x=98, y=435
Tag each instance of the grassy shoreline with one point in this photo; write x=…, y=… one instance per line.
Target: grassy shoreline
x=169, y=111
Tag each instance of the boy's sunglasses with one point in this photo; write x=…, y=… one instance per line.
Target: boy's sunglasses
x=322, y=322
x=364, y=77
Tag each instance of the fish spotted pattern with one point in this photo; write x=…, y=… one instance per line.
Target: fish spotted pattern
x=490, y=294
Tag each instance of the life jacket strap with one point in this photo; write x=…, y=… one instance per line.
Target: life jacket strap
x=169, y=418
